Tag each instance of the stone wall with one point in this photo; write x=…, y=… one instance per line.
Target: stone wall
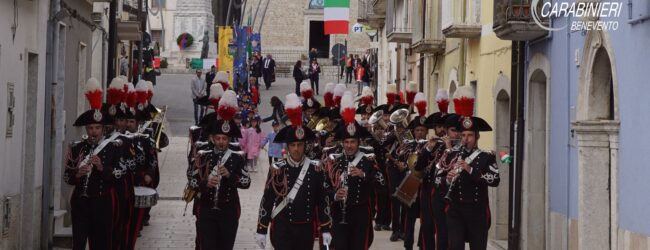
x=286, y=25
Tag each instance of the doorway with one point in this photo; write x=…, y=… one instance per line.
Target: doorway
x=318, y=39
x=499, y=196
x=30, y=214
x=535, y=169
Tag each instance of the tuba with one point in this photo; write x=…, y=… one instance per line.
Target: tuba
x=376, y=120
x=400, y=118
x=313, y=122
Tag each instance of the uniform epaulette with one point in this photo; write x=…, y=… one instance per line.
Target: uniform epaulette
x=279, y=164
x=370, y=156
x=200, y=143
x=203, y=152
x=234, y=144
x=75, y=143
x=194, y=127
x=367, y=148
x=240, y=153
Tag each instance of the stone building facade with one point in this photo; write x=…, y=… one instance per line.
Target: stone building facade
x=287, y=25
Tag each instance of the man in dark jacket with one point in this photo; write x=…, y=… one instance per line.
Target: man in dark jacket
x=268, y=70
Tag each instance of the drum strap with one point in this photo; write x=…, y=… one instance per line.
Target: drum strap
x=294, y=190
x=104, y=143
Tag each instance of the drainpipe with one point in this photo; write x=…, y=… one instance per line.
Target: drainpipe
x=46, y=203
x=112, y=39
x=517, y=143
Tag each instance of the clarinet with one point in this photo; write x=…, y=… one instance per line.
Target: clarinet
x=458, y=170
x=344, y=177
x=85, y=162
x=215, y=172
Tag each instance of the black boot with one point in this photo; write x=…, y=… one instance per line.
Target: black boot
x=394, y=236
x=377, y=227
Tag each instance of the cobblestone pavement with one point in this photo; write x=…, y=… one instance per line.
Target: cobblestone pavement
x=168, y=228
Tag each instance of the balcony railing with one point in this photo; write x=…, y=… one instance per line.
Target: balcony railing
x=460, y=18
x=368, y=16
x=513, y=20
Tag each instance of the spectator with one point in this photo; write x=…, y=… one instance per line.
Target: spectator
x=298, y=76
x=124, y=65
x=314, y=75
x=209, y=78
x=198, y=91
x=349, y=69
x=278, y=111
x=268, y=71
x=313, y=54
x=275, y=149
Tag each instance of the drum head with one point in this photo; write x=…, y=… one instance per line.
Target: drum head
x=144, y=191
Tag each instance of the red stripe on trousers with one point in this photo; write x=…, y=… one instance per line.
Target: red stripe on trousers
x=366, y=246
x=336, y=27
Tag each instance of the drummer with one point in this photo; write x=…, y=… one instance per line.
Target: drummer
x=220, y=173
x=419, y=129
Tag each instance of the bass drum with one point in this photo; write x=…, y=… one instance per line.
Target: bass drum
x=407, y=191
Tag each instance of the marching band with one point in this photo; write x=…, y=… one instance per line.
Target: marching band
x=346, y=166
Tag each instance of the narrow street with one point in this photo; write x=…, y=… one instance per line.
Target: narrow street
x=168, y=228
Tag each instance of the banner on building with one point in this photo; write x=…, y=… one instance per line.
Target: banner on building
x=256, y=43
x=225, y=58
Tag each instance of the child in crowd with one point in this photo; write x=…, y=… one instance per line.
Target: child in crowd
x=275, y=149
x=253, y=137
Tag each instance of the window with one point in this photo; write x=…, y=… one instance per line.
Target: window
x=157, y=38
x=316, y=4
x=11, y=104
x=158, y=3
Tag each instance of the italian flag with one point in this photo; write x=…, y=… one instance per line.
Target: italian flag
x=336, y=16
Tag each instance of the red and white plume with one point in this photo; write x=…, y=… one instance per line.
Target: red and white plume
x=222, y=78
x=391, y=94
x=338, y=93
x=227, y=105
x=420, y=104
x=411, y=91
x=150, y=90
x=216, y=92
x=348, y=110
x=442, y=99
x=94, y=93
x=329, y=95
x=464, y=101
x=115, y=91
x=306, y=91
x=293, y=107
x=366, y=96
x=131, y=97
x=142, y=93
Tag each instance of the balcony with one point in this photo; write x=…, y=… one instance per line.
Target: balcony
x=427, y=34
x=460, y=18
x=398, y=21
x=513, y=20
x=368, y=16
x=399, y=35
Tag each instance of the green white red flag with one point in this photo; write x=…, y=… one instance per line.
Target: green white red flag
x=336, y=16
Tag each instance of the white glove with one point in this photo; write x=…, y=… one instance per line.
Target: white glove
x=260, y=239
x=327, y=239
